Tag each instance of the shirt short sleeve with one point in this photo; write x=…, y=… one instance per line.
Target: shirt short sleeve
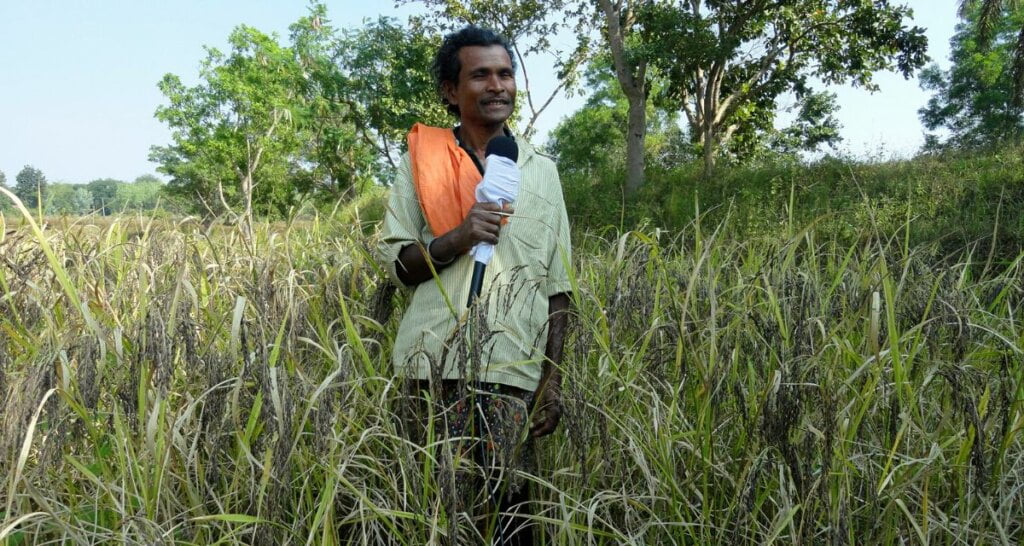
x=561, y=257
x=403, y=221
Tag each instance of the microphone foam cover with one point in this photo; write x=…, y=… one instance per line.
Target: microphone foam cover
x=503, y=146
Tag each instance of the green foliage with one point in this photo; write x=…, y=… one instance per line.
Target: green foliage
x=590, y=147
x=973, y=101
x=339, y=159
x=989, y=18
x=728, y=64
x=147, y=178
x=272, y=125
x=30, y=185
x=236, y=135
x=141, y=195
x=3, y=179
x=104, y=195
x=71, y=199
x=387, y=85
x=592, y=139
x=814, y=126
x=954, y=200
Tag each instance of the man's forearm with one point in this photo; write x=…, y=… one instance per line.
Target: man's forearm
x=558, y=318
x=481, y=225
x=414, y=261
x=548, y=396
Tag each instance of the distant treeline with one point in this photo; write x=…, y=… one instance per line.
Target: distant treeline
x=103, y=196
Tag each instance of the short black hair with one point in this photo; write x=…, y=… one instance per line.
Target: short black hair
x=447, y=65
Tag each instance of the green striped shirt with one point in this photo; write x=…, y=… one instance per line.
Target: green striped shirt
x=529, y=266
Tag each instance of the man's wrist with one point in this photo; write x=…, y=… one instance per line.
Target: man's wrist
x=435, y=257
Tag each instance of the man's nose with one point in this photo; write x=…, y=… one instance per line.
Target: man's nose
x=494, y=83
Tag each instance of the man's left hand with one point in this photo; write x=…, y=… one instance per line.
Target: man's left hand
x=547, y=410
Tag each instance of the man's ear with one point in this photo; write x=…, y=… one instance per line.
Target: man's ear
x=448, y=92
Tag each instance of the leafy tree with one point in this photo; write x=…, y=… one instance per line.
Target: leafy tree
x=974, y=99
x=141, y=195
x=814, y=126
x=989, y=13
x=104, y=195
x=64, y=198
x=235, y=140
x=727, y=63
x=337, y=145
x=386, y=83
x=366, y=87
x=82, y=202
x=590, y=143
x=60, y=199
x=147, y=178
x=3, y=179
x=30, y=185
x=528, y=25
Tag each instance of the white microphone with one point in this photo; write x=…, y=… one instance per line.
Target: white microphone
x=500, y=185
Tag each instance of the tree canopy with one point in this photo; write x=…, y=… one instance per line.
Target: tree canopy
x=728, y=64
x=235, y=135
x=30, y=186
x=974, y=104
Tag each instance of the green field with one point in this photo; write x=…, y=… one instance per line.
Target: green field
x=169, y=383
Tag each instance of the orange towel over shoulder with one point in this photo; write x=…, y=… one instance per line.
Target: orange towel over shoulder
x=444, y=175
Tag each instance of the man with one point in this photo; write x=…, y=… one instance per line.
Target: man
x=432, y=223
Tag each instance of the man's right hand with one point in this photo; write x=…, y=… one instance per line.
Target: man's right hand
x=481, y=225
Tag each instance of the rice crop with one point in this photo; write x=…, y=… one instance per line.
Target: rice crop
x=169, y=383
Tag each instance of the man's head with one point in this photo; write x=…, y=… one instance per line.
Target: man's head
x=475, y=75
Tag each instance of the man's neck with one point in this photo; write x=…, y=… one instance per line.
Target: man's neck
x=475, y=138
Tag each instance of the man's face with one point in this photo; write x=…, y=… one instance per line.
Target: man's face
x=486, y=90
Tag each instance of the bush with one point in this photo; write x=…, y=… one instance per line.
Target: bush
x=956, y=200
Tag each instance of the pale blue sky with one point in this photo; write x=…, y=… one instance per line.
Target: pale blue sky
x=78, y=78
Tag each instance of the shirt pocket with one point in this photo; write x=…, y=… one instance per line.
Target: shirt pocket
x=532, y=227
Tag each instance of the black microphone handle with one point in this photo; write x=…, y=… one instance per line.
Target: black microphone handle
x=476, y=283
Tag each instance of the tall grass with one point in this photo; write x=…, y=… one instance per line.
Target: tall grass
x=163, y=384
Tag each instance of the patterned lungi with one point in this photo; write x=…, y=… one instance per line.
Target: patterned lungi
x=490, y=446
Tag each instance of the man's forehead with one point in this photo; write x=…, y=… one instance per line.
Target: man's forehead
x=492, y=55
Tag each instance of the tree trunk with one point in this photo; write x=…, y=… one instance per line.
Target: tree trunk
x=632, y=76
x=636, y=130
x=708, y=141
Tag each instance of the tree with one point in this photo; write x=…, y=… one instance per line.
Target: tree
x=147, y=178
x=104, y=195
x=30, y=185
x=235, y=140
x=590, y=143
x=974, y=99
x=64, y=198
x=141, y=195
x=989, y=12
x=82, y=201
x=814, y=126
x=727, y=63
x=338, y=147
x=378, y=86
x=528, y=25
x=631, y=70
x=3, y=179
